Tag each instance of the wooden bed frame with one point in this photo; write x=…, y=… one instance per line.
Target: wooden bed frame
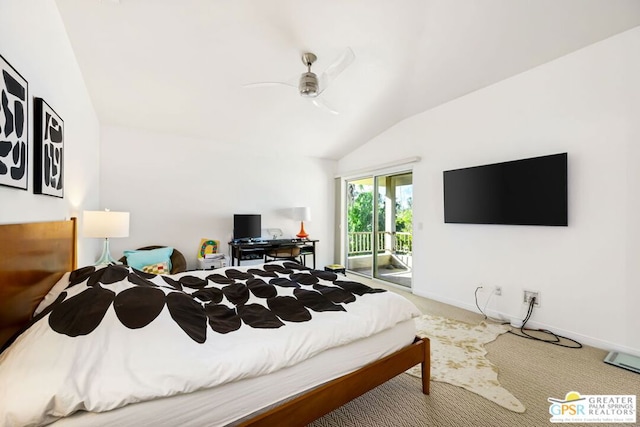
x=34, y=256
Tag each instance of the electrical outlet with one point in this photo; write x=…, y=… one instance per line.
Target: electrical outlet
x=527, y=295
x=498, y=290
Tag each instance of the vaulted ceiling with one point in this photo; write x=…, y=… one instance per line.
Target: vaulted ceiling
x=180, y=66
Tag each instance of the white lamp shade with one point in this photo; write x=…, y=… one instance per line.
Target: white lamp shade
x=302, y=214
x=105, y=224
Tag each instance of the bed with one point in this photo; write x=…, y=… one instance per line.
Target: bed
x=299, y=381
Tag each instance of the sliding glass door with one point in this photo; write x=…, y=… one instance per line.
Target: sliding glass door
x=394, y=228
x=360, y=226
x=379, y=221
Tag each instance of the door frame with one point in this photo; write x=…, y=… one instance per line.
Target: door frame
x=340, y=238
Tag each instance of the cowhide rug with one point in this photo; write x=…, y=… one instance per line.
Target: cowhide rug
x=458, y=357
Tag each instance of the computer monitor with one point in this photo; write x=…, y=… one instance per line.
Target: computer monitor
x=247, y=227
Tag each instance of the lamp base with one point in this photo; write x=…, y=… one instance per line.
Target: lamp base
x=302, y=234
x=106, y=258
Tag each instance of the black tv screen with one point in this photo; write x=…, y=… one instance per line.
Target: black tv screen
x=521, y=192
x=247, y=226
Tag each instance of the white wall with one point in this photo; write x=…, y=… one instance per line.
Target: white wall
x=33, y=40
x=587, y=104
x=180, y=189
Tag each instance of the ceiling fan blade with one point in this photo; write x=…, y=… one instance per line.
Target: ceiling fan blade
x=320, y=103
x=267, y=84
x=337, y=67
x=292, y=82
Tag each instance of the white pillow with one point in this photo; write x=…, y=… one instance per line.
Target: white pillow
x=53, y=293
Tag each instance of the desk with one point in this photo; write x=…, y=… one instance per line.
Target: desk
x=244, y=251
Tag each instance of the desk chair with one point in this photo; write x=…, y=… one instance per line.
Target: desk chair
x=291, y=254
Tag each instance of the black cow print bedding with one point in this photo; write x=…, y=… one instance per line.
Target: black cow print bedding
x=115, y=335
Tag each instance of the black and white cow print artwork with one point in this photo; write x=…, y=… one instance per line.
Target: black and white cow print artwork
x=14, y=120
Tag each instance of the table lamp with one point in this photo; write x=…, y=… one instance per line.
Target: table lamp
x=302, y=214
x=105, y=224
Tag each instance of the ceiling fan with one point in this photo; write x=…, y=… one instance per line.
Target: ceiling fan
x=309, y=84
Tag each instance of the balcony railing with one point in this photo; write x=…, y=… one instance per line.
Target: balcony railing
x=361, y=243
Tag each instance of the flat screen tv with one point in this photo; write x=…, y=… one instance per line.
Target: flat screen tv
x=521, y=192
x=247, y=227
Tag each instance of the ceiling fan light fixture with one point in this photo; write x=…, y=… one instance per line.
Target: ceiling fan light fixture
x=308, y=85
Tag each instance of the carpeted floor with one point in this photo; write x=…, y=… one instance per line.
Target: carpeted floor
x=532, y=371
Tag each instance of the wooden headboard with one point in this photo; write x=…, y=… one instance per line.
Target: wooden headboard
x=33, y=257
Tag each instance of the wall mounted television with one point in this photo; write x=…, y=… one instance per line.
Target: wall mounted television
x=247, y=227
x=529, y=191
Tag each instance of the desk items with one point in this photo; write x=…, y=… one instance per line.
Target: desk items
x=256, y=250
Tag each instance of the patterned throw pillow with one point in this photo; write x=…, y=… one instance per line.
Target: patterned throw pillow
x=159, y=268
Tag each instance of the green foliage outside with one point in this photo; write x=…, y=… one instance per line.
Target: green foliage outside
x=404, y=217
x=360, y=212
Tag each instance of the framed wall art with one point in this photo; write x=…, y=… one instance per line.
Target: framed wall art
x=48, y=153
x=14, y=121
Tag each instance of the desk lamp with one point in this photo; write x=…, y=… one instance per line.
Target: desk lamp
x=302, y=214
x=105, y=224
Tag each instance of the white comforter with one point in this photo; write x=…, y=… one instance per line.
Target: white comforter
x=117, y=336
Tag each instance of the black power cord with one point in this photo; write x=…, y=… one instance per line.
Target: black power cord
x=500, y=321
x=476, y=295
x=555, y=338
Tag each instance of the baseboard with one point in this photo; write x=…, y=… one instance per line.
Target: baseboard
x=583, y=339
